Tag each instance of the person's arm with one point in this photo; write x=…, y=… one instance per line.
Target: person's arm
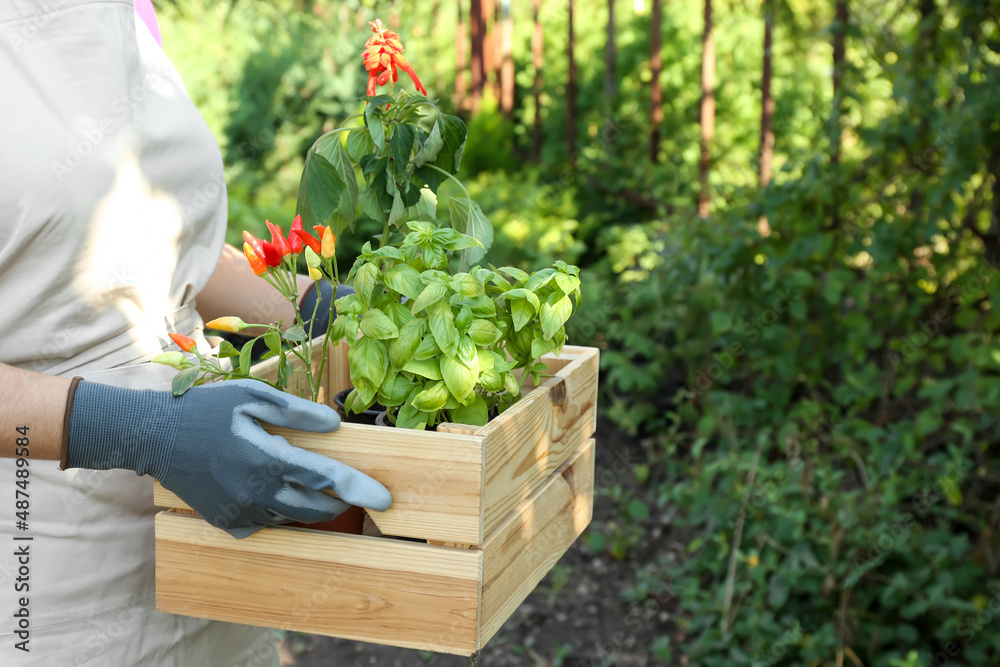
x=207, y=446
x=38, y=402
x=233, y=289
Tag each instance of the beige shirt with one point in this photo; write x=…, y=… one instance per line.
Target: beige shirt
x=112, y=219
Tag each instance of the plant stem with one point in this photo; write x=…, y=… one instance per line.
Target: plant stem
x=385, y=233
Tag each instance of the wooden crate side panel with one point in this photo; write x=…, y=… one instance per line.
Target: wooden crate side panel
x=519, y=553
x=436, y=479
x=361, y=588
x=338, y=372
x=531, y=440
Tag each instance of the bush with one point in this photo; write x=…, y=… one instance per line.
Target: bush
x=827, y=399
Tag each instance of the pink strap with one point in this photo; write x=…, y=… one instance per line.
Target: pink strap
x=145, y=10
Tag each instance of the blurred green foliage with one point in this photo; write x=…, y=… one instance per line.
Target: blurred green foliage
x=822, y=404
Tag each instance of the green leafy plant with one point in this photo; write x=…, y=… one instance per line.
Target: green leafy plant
x=434, y=345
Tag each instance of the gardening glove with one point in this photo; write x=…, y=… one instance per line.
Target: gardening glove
x=322, y=292
x=315, y=326
x=209, y=448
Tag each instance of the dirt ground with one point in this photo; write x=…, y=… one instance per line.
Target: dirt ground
x=584, y=613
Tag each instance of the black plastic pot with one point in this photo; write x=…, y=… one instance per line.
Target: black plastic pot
x=382, y=419
x=366, y=417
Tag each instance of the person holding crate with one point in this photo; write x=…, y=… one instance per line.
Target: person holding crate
x=112, y=225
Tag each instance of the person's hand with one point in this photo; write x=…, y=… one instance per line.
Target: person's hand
x=208, y=448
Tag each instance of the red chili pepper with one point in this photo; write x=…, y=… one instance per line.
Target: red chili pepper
x=183, y=342
x=319, y=231
x=256, y=263
x=294, y=239
x=263, y=249
x=278, y=239
x=271, y=255
x=308, y=239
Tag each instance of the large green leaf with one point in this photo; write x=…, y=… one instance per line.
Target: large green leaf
x=431, y=399
x=554, y=315
x=401, y=145
x=359, y=144
x=364, y=283
x=442, y=322
x=409, y=416
x=328, y=189
x=522, y=311
x=371, y=205
x=468, y=218
x=395, y=388
x=373, y=120
x=426, y=368
x=375, y=324
x=459, y=376
x=429, y=296
x=321, y=191
x=427, y=349
x=443, y=148
x=369, y=362
x=404, y=279
x=475, y=414
x=483, y=332
x=402, y=348
x=431, y=147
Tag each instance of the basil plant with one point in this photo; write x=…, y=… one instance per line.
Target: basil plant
x=434, y=346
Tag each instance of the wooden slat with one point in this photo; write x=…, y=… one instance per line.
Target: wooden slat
x=362, y=588
x=338, y=372
x=435, y=478
x=525, y=546
x=526, y=444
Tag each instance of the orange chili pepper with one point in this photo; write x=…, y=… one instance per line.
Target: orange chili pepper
x=185, y=343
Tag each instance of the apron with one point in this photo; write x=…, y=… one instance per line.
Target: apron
x=112, y=219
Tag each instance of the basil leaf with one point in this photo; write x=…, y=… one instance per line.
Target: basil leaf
x=375, y=324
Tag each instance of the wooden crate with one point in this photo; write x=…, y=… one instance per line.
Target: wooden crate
x=493, y=508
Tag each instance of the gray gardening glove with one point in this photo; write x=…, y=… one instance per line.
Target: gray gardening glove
x=322, y=292
x=209, y=448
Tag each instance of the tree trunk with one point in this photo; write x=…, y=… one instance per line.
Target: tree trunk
x=497, y=48
x=435, y=33
x=537, y=38
x=610, y=80
x=707, y=108
x=766, y=112
x=460, y=58
x=507, y=63
x=656, y=96
x=489, y=46
x=571, y=94
x=477, y=23
x=839, y=34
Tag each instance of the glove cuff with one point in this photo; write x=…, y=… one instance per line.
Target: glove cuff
x=111, y=427
x=64, y=458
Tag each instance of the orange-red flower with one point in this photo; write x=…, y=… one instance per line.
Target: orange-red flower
x=383, y=54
